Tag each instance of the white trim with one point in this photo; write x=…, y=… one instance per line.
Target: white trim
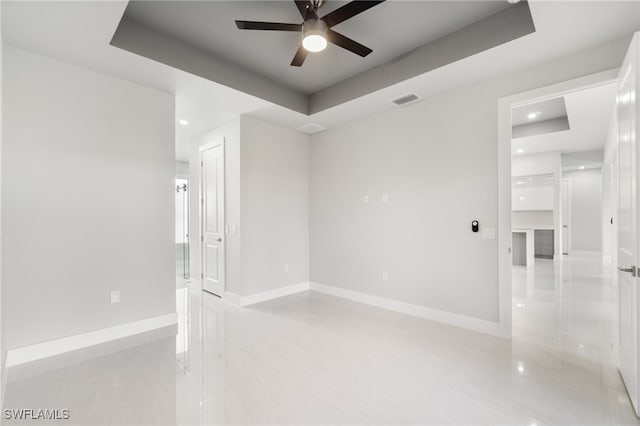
x=449, y=318
x=273, y=294
x=232, y=298
x=504, y=175
x=585, y=253
x=67, y=344
x=569, y=248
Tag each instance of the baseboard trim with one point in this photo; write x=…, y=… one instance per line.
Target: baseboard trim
x=38, y=351
x=232, y=298
x=449, y=318
x=274, y=294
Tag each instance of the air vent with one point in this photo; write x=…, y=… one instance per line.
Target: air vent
x=405, y=100
x=311, y=128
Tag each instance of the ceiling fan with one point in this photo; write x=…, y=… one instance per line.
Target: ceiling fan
x=316, y=31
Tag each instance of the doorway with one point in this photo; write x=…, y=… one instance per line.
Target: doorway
x=182, y=231
x=553, y=166
x=212, y=217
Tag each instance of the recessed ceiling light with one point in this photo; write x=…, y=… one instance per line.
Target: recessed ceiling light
x=513, y=1
x=533, y=115
x=520, y=151
x=183, y=122
x=520, y=182
x=581, y=167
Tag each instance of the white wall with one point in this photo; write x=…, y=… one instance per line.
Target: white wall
x=610, y=194
x=87, y=200
x=437, y=160
x=182, y=169
x=275, y=206
x=2, y=319
x=536, y=164
x=606, y=228
x=266, y=205
x=586, y=209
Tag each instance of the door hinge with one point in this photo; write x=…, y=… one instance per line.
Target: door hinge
x=202, y=238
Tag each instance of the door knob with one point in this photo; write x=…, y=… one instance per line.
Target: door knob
x=631, y=270
x=219, y=240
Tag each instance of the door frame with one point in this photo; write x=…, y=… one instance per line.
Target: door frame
x=505, y=105
x=569, y=247
x=204, y=147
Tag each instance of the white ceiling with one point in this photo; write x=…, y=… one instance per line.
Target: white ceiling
x=589, y=113
x=544, y=110
x=79, y=32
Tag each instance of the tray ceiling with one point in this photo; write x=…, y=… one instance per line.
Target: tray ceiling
x=408, y=38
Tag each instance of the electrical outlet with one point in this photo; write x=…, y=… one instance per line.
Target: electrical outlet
x=286, y=268
x=115, y=296
x=385, y=276
x=365, y=199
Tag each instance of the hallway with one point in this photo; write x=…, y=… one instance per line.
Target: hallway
x=564, y=334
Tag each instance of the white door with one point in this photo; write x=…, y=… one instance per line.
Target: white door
x=627, y=113
x=564, y=185
x=212, y=214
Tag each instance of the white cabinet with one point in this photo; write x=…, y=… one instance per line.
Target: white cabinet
x=532, y=194
x=532, y=199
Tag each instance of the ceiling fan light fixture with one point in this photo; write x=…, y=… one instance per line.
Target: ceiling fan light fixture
x=314, y=35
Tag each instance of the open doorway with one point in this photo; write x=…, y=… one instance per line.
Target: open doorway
x=555, y=136
x=182, y=232
x=559, y=175
x=561, y=216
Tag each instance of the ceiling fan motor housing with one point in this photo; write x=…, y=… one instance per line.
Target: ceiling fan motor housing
x=314, y=27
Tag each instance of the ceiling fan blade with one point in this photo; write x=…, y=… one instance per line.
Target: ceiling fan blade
x=348, y=11
x=299, y=57
x=346, y=43
x=268, y=26
x=302, y=7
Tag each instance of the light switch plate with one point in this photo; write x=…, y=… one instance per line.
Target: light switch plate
x=365, y=199
x=115, y=296
x=489, y=233
x=385, y=198
x=385, y=276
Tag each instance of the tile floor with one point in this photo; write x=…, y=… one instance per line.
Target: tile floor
x=315, y=359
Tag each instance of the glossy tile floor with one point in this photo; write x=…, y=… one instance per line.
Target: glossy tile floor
x=314, y=359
